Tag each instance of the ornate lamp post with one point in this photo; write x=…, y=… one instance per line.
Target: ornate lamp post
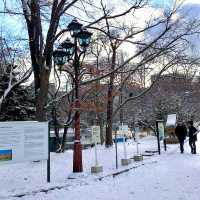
x=73, y=51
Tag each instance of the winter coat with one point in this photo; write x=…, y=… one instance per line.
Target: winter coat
x=192, y=133
x=181, y=132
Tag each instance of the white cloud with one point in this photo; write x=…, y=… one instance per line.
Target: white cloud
x=192, y=1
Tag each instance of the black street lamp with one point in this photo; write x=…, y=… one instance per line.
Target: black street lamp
x=84, y=37
x=73, y=51
x=69, y=47
x=74, y=27
x=60, y=56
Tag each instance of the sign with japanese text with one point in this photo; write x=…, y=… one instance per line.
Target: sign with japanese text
x=23, y=141
x=96, y=133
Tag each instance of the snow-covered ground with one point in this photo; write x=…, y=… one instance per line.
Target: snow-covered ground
x=169, y=176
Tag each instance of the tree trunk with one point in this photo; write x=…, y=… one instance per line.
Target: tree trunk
x=109, y=141
x=64, y=138
x=121, y=111
x=101, y=124
x=42, y=95
x=110, y=97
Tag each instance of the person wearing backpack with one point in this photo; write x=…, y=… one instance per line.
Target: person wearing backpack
x=192, y=137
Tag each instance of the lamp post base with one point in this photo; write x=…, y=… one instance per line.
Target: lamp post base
x=125, y=161
x=138, y=157
x=77, y=161
x=96, y=169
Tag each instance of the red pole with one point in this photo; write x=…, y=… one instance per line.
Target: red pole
x=77, y=157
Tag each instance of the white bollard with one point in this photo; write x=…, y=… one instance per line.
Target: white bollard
x=95, y=153
x=137, y=147
x=138, y=156
x=124, y=145
x=96, y=168
x=125, y=160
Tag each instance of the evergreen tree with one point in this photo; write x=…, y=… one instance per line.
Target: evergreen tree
x=19, y=104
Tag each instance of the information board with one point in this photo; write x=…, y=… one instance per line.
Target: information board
x=23, y=141
x=161, y=130
x=171, y=120
x=96, y=134
x=123, y=130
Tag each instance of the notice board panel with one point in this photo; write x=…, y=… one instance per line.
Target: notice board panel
x=23, y=141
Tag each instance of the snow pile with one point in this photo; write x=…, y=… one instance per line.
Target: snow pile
x=30, y=178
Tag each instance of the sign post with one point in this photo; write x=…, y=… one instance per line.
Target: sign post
x=48, y=160
x=138, y=156
x=123, y=129
x=124, y=146
x=158, y=138
x=137, y=138
x=160, y=133
x=95, y=138
x=95, y=151
x=116, y=153
x=116, y=128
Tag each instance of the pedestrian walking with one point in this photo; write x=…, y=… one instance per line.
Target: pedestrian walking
x=181, y=132
x=192, y=137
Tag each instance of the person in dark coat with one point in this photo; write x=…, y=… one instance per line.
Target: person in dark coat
x=181, y=132
x=192, y=137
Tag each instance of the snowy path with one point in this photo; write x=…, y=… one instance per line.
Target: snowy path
x=175, y=176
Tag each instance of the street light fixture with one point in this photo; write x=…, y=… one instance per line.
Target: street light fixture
x=73, y=52
x=60, y=56
x=84, y=37
x=74, y=27
x=69, y=47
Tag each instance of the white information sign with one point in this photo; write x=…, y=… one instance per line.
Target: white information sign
x=23, y=141
x=123, y=129
x=171, y=120
x=96, y=133
x=161, y=130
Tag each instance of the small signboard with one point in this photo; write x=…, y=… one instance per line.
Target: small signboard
x=96, y=134
x=115, y=127
x=171, y=120
x=123, y=130
x=23, y=141
x=161, y=130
